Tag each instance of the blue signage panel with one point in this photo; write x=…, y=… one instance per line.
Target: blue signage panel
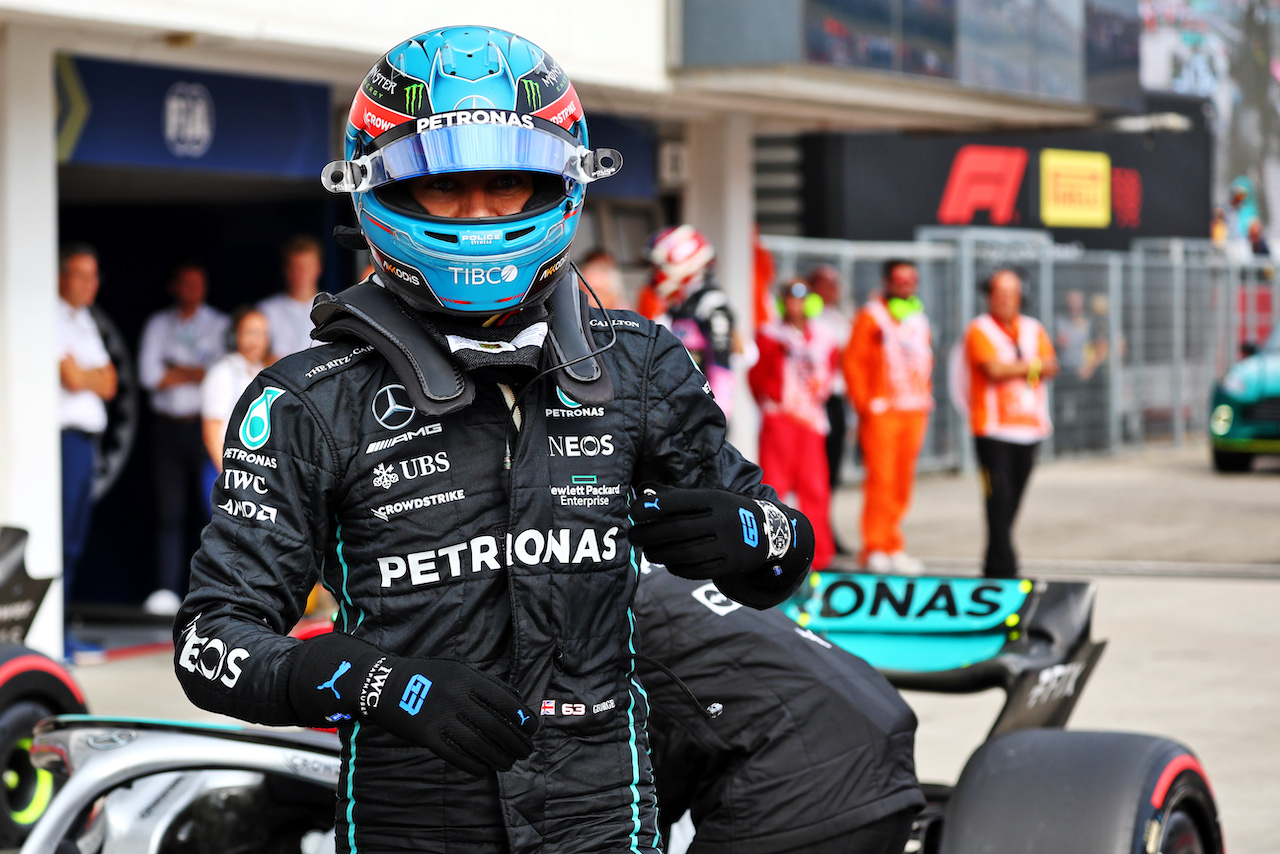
x=147, y=115
x=637, y=140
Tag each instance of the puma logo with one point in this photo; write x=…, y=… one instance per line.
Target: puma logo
x=342, y=668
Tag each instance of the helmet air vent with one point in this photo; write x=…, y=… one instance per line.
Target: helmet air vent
x=518, y=233
x=447, y=238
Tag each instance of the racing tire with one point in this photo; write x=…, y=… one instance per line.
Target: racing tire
x=1232, y=461
x=25, y=790
x=1052, y=791
x=32, y=686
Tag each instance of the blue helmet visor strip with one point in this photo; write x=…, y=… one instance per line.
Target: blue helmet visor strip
x=470, y=141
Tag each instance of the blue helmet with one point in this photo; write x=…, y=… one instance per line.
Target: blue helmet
x=465, y=99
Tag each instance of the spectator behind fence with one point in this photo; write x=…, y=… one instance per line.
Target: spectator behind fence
x=289, y=312
x=1009, y=357
x=231, y=375
x=888, y=366
x=791, y=383
x=88, y=379
x=600, y=269
x=1258, y=241
x=178, y=346
x=824, y=281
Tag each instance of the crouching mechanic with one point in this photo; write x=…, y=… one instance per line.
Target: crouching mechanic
x=456, y=466
x=807, y=748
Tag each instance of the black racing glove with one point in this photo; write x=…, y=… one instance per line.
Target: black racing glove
x=463, y=716
x=756, y=551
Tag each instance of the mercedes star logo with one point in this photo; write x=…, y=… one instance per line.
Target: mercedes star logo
x=112, y=740
x=391, y=407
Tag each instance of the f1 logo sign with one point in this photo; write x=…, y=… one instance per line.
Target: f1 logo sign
x=983, y=177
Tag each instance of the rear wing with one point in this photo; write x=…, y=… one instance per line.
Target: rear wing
x=952, y=634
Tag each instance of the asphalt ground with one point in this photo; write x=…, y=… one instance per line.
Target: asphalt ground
x=1187, y=564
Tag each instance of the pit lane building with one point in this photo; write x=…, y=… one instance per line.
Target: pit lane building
x=153, y=126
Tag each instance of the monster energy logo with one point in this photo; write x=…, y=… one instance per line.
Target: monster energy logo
x=532, y=93
x=413, y=97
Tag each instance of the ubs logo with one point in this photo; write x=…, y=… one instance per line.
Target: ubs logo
x=391, y=406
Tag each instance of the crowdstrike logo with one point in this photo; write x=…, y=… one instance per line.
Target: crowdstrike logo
x=388, y=510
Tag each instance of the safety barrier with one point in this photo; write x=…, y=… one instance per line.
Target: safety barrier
x=1141, y=335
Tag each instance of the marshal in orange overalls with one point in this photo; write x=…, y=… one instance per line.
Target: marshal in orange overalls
x=888, y=367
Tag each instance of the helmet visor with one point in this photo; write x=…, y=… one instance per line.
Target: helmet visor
x=502, y=142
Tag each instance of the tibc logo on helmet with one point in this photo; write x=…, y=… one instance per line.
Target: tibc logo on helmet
x=484, y=275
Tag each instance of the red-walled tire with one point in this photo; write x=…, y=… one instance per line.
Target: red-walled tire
x=32, y=687
x=27, y=674
x=1046, y=791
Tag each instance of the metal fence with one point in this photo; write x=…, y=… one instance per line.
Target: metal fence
x=1141, y=335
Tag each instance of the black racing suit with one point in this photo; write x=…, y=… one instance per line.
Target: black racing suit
x=704, y=324
x=433, y=548
x=812, y=744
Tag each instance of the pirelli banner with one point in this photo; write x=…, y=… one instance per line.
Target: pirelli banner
x=1098, y=189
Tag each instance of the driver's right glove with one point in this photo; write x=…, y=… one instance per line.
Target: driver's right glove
x=466, y=718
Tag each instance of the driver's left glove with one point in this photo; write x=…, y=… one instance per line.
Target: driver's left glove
x=756, y=551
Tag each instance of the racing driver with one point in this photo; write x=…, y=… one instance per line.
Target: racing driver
x=468, y=466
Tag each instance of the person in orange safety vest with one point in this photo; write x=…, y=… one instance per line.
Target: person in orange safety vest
x=791, y=382
x=1009, y=357
x=888, y=368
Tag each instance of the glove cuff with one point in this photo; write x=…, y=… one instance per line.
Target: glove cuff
x=772, y=583
x=327, y=678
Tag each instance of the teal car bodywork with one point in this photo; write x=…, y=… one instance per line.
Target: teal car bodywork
x=959, y=635
x=1244, y=416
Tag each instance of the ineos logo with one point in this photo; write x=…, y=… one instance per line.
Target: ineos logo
x=391, y=407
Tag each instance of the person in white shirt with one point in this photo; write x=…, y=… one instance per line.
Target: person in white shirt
x=231, y=375
x=178, y=346
x=289, y=312
x=88, y=379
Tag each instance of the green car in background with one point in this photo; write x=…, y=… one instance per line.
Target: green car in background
x=1245, y=418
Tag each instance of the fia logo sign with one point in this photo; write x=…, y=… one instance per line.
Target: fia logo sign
x=188, y=119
